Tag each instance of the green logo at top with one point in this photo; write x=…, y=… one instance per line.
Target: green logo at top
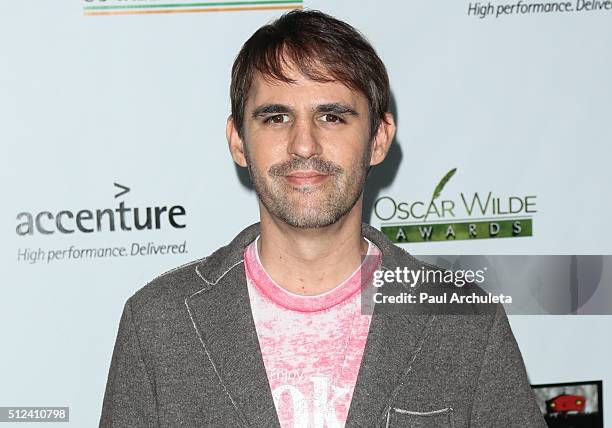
x=148, y=7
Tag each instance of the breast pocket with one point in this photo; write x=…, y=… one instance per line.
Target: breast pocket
x=399, y=418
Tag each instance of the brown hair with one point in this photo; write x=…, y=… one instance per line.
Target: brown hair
x=322, y=48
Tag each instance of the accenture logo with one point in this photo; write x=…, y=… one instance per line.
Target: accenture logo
x=121, y=217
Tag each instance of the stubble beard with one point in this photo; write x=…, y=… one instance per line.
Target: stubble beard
x=309, y=206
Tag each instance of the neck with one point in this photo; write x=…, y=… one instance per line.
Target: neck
x=311, y=261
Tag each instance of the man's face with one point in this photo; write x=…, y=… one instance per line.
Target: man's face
x=307, y=146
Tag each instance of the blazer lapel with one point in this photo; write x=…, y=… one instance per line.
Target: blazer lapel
x=221, y=315
x=393, y=343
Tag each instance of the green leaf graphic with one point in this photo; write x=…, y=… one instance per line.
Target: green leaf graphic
x=442, y=183
x=439, y=188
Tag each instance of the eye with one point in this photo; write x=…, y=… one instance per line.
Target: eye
x=277, y=118
x=331, y=118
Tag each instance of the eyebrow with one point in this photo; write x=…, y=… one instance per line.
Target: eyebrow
x=336, y=108
x=271, y=109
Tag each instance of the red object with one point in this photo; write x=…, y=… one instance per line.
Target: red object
x=565, y=403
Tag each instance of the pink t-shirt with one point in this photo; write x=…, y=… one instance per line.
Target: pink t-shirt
x=312, y=345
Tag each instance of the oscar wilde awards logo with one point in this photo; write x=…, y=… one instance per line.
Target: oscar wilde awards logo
x=468, y=215
x=87, y=222
x=149, y=7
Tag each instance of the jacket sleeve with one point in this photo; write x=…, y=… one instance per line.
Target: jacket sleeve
x=503, y=396
x=129, y=399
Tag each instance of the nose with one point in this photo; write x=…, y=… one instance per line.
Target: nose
x=303, y=140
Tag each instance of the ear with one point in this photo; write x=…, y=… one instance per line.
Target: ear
x=236, y=145
x=382, y=139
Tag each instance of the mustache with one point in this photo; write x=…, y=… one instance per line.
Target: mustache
x=296, y=164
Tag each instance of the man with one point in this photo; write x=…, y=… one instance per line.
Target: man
x=269, y=330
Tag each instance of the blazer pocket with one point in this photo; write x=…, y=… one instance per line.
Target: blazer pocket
x=399, y=418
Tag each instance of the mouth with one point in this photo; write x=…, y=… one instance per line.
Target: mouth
x=301, y=178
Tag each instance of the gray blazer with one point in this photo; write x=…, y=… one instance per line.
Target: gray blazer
x=187, y=354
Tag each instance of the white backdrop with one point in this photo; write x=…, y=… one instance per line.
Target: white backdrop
x=519, y=104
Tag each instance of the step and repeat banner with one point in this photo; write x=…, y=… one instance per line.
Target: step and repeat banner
x=115, y=167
